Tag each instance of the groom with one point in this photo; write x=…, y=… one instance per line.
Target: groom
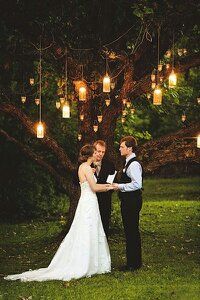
x=130, y=194
x=103, y=168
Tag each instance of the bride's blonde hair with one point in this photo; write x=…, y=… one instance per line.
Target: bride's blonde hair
x=86, y=152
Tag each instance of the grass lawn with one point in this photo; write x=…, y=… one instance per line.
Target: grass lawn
x=170, y=226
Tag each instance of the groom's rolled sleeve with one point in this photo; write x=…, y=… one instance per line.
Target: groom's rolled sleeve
x=134, y=171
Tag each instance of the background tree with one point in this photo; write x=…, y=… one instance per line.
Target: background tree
x=124, y=33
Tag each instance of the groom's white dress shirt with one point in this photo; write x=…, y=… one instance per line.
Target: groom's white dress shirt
x=134, y=171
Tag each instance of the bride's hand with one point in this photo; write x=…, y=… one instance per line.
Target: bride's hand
x=93, y=170
x=109, y=187
x=115, y=186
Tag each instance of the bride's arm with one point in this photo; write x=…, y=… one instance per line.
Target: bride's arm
x=96, y=187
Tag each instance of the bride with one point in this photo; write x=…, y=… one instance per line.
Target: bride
x=84, y=251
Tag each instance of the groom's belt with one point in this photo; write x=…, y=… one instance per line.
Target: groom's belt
x=131, y=194
x=135, y=191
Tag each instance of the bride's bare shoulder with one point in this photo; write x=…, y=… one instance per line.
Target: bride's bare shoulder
x=84, y=166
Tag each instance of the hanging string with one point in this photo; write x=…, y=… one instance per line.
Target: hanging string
x=114, y=41
x=106, y=64
x=173, y=52
x=121, y=36
x=66, y=75
x=158, y=44
x=137, y=40
x=40, y=84
x=23, y=90
x=82, y=72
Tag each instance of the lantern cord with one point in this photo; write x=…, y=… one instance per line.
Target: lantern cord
x=66, y=74
x=40, y=84
x=158, y=45
x=140, y=38
x=105, y=45
x=117, y=39
x=106, y=64
x=173, y=53
x=82, y=72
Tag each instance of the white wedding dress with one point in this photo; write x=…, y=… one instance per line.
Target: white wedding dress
x=83, y=252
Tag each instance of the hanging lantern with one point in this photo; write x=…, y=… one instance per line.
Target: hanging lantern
x=198, y=141
x=61, y=82
x=79, y=136
x=112, y=85
x=148, y=96
x=123, y=119
x=73, y=98
x=124, y=101
x=95, y=127
x=161, y=79
x=132, y=110
x=172, y=79
x=81, y=117
x=82, y=93
x=23, y=99
x=40, y=130
x=124, y=112
x=160, y=67
x=37, y=101
x=99, y=118
x=180, y=52
x=59, y=91
x=128, y=104
x=106, y=84
x=94, y=86
x=32, y=81
x=153, y=77
x=66, y=110
x=184, y=51
x=168, y=53
x=153, y=85
x=157, y=96
x=183, y=117
x=167, y=66
x=58, y=104
x=107, y=102
x=62, y=100
x=198, y=100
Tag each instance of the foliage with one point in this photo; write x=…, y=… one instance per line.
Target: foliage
x=103, y=28
x=169, y=226
x=26, y=190
x=151, y=121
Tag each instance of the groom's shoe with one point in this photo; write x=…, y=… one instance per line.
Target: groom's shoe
x=129, y=268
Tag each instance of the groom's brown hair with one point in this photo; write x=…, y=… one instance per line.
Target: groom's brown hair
x=130, y=141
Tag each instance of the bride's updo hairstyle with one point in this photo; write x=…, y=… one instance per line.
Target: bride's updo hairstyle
x=86, y=152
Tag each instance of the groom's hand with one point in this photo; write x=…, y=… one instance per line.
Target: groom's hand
x=109, y=187
x=115, y=186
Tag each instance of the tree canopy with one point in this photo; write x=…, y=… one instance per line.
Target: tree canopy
x=88, y=38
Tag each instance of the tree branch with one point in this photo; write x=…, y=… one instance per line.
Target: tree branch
x=144, y=84
x=171, y=149
x=38, y=159
x=50, y=143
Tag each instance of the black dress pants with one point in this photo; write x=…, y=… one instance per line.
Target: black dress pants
x=131, y=204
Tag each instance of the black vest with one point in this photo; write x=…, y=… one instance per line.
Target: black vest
x=125, y=179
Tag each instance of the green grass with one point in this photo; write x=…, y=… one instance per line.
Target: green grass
x=170, y=231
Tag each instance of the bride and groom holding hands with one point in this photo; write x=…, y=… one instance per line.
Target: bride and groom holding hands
x=84, y=251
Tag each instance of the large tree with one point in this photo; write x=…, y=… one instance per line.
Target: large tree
x=121, y=34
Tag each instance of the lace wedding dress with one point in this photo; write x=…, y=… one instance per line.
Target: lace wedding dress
x=83, y=252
